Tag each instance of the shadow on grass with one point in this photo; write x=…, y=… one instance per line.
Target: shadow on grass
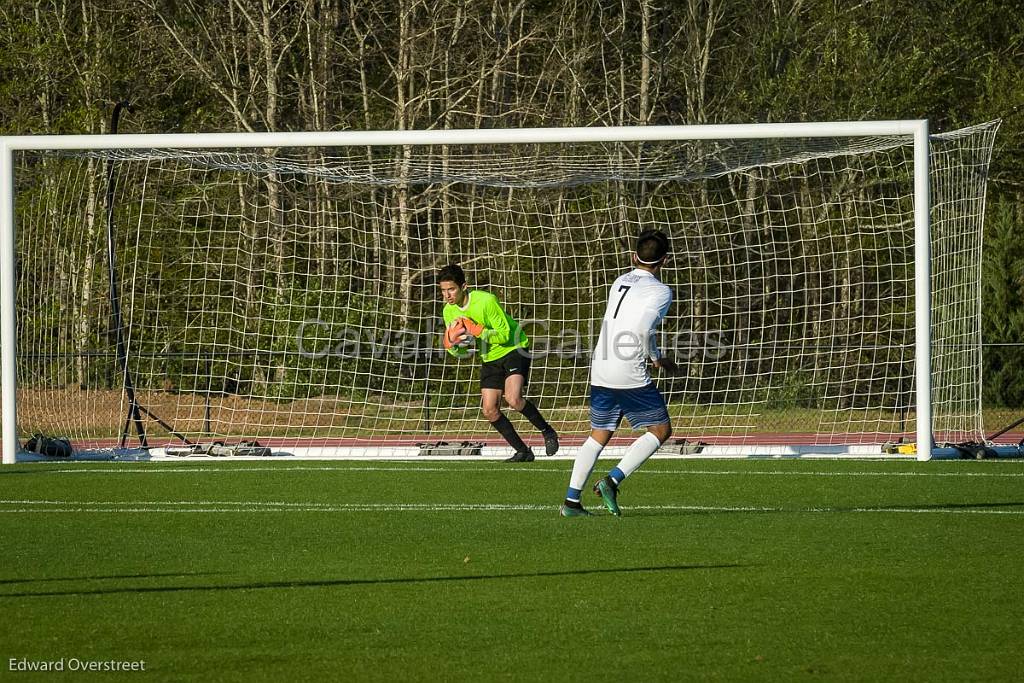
x=891, y=507
x=51, y=579
x=326, y=583
x=937, y=506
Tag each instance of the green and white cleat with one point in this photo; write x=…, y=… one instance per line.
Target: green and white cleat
x=609, y=493
x=570, y=511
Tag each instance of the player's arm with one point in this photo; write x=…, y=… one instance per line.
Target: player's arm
x=496, y=329
x=653, y=317
x=667, y=365
x=458, y=351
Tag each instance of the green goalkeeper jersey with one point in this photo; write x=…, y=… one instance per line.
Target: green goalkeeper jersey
x=502, y=334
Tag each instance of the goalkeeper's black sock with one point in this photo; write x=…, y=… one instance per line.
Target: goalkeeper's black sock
x=531, y=413
x=508, y=430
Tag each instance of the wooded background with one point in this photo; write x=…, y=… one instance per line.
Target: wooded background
x=272, y=65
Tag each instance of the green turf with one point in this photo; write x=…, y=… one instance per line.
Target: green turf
x=718, y=570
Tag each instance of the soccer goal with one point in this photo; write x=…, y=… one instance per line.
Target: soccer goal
x=274, y=292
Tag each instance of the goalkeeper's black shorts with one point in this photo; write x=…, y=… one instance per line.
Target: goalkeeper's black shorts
x=493, y=373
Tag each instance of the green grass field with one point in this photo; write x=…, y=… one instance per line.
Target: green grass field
x=718, y=570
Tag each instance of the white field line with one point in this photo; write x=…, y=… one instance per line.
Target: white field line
x=199, y=469
x=50, y=506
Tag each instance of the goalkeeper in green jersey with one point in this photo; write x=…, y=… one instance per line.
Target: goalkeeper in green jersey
x=503, y=349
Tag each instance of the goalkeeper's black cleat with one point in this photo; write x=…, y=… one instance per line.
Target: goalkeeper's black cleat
x=550, y=442
x=522, y=456
x=609, y=493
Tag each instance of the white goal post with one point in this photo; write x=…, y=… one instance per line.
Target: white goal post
x=916, y=132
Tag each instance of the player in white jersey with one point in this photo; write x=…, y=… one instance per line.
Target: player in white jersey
x=620, y=382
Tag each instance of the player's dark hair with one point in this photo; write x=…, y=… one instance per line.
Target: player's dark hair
x=452, y=273
x=651, y=247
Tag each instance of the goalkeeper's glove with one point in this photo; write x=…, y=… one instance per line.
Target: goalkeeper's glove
x=474, y=328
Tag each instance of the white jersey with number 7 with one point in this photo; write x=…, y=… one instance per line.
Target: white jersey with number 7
x=637, y=303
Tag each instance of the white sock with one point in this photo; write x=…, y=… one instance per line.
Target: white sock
x=586, y=458
x=637, y=453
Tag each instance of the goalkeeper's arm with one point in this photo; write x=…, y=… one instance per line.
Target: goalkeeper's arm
x=458, y=351
x=496, y=329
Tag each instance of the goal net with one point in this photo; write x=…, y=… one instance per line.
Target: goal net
x=287, y=295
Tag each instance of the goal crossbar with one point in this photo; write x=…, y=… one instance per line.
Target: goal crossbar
x=470, y=136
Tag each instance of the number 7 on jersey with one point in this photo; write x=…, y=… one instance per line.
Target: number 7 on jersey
x=625, y=290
